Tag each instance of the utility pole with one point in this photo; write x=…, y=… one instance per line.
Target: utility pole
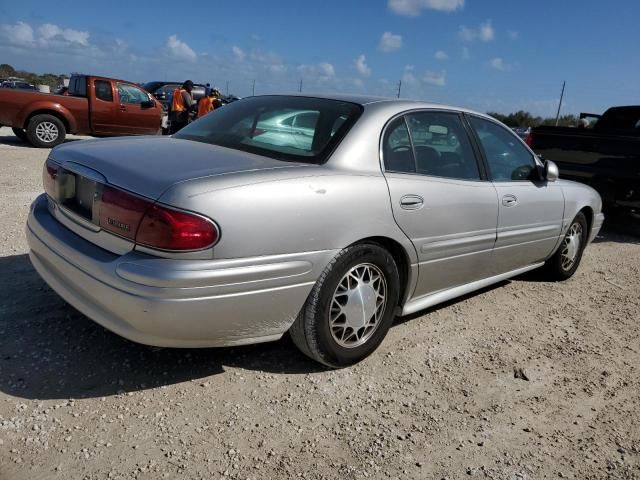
x=399, y=88
x=227, y=89
x=300, y=87
x=560, y=103
x=253, y=88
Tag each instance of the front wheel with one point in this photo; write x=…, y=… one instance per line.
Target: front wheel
x=45, y=131
x=564, y=263
x=350, y=308
x=20, y=133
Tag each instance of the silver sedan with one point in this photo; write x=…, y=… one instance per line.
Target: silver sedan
x=242, y=227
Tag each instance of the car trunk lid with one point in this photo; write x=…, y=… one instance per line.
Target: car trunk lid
x=148, y=166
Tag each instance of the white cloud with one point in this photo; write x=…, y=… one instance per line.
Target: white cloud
x=19, y=34
x=439, y=79
x=180, y=49
x=238, y=53
x=362, y=67
x=408, y=77
x=390, y=42
x=513, y=35
x=484, y=32
x=440, y=55
x=49, y=32
x=499, y=64
x=413, y=8
x=320, y=71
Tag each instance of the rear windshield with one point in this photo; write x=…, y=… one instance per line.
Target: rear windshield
x=298, y=129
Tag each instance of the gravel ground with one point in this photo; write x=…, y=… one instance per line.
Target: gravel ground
x=439, y=399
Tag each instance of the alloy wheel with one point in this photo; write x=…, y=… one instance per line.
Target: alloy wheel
x=47, y=132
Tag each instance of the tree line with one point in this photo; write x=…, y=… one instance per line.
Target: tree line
x=50, y=79
x=525, y=119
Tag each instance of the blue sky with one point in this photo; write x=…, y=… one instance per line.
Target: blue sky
x=498, y=55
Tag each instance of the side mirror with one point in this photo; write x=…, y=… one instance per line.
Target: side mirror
x=148, y=104
x=551, y=172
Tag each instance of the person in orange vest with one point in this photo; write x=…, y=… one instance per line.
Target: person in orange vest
x=181, y=105
x=205, y=105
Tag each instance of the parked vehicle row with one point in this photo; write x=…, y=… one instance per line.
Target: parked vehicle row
x=96, y=106
x=324, y=217
x=605, y=156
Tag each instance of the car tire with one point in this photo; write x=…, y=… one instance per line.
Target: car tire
x=45, y=131
x=350, y=308
x=20, y=133
x=565, y=261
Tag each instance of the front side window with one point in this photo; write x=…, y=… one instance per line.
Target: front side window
x=131, y=94
x=103, y=90
x=287, y=128
x=508, y=159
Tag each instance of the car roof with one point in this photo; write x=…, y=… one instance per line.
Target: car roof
x=364, y=100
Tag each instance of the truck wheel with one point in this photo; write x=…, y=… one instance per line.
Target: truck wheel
x=20, y=133
x=351, y=307
x=45, y=131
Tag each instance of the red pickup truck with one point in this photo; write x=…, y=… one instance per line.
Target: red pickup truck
x=93, y=106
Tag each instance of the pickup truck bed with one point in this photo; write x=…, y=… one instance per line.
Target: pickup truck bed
x=606, y=157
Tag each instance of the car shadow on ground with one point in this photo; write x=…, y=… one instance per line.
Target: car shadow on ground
x=48, y=350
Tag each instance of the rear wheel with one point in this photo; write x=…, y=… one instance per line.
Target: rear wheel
x=351, y=307
x=564, y=263
x=20, y=133
x=45, y=131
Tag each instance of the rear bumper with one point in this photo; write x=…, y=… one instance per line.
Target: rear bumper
x=173, y=303
x=598, y=219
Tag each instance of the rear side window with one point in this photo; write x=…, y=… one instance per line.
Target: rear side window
x=287, y=128
x=103, y=90
x=78, y=86
x=396, y=148
x=430, y=143
x=508, y=159
x=441, y=146
x=131, y=94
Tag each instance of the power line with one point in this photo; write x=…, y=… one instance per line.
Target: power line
x=560, y=102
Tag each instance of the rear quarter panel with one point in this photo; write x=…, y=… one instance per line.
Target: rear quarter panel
x=323, y=210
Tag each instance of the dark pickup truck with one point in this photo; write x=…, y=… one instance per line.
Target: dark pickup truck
x=96, y=106
x=604, y=155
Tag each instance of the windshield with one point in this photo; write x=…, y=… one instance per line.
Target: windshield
x=288, y=128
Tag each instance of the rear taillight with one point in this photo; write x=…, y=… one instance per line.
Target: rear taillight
x=49, y=176
x=153, y=225
x=169, y=229
x=529, y=139
x=121, y=212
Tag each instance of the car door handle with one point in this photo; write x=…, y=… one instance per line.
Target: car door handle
x=509, y=201
x=411, y=202
x=123, y=108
